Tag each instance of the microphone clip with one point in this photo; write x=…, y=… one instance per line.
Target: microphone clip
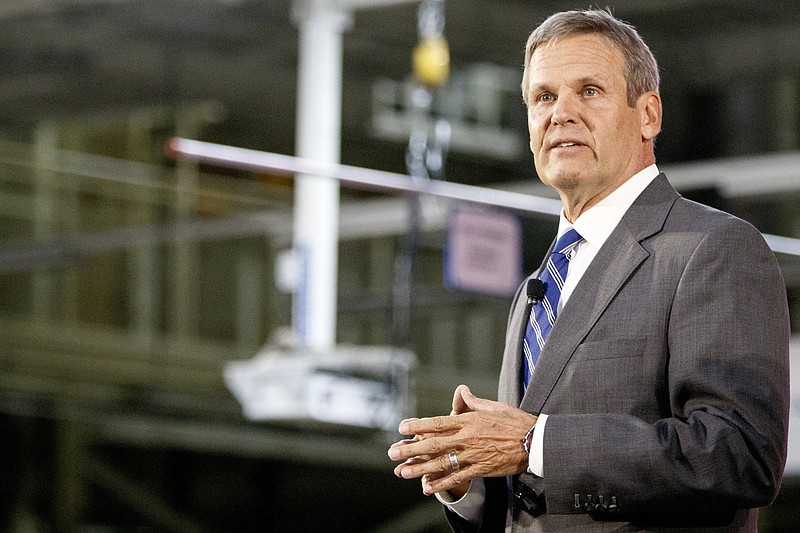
x=535, y=290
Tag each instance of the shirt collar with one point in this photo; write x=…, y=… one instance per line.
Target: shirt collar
x=597, y=222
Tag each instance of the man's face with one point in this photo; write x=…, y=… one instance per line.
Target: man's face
x=585, y=139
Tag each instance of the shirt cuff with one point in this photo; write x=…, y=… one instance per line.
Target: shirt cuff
x=470, y=505
x=536, y=457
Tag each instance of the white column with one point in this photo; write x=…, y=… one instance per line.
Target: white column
x=316, y=206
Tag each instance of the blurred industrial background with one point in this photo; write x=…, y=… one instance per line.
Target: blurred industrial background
x=129, y=279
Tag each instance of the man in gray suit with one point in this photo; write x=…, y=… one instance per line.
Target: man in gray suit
x=660, y=398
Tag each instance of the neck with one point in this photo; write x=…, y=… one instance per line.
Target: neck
x=575, y=205
x=577, y=201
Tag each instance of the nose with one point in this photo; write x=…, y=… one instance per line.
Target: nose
x=565, y=110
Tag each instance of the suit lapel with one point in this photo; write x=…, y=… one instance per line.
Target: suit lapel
x=615, y=262
x=510, y=384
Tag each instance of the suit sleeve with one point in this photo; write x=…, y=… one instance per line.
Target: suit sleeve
x=720, y=443
x=494, y=510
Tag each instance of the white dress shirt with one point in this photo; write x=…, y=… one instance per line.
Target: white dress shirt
x=595, y=225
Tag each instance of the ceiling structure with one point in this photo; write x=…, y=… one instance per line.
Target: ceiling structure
x=730, y=85
x=81, y=59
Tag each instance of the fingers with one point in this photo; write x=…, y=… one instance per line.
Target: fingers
x=421, y=466
x=398, y=470
x=456, y=482
x=464, y=401
x=437, y=474
x=418, y=447
x=432, y=425
x=450, y=493
x=459, y=405
x=473, y=403
x=426, y=454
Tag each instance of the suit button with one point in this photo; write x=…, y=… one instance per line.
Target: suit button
x=589, y=505
x=600, y=507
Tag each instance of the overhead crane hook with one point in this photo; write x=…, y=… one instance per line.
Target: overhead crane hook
x=427, y=149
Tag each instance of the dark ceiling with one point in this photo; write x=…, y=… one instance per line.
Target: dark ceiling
x=723, y=62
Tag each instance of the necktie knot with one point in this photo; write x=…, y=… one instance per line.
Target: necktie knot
x=566, y=244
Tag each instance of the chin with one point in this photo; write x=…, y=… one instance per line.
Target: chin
x=562, y=180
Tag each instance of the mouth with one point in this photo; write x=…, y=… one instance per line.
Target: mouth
x=566, y=144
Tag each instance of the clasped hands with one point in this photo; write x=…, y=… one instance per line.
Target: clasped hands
x=480, y=438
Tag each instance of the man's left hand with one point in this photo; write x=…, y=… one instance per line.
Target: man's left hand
x=485, y=436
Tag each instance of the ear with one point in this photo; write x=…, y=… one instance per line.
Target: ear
x=649, y=106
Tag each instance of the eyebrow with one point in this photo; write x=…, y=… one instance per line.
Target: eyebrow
x=596, y=79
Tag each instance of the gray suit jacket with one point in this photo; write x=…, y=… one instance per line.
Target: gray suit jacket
x=665, y=380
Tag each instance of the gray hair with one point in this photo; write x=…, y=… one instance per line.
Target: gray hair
x=640, y=70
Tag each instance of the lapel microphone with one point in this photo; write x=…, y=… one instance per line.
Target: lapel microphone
x=535, y=290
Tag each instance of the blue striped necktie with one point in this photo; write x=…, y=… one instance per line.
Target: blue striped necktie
x=543, y=313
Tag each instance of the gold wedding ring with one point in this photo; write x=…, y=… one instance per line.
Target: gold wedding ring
x=453, y=460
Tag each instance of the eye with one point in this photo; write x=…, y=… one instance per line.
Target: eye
x=545, y=98
x=590, y=91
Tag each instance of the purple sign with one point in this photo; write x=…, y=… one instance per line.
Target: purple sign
x=483, y=252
